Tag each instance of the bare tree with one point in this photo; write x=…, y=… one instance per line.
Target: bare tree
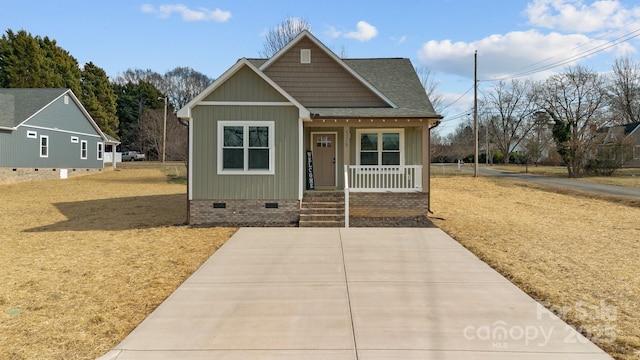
x=180, y=84
x=430, y=85
x=624, y=91
x=575, y=101
x=183, y=84
x=511, y=107
x=151, y=128
x=280, y=35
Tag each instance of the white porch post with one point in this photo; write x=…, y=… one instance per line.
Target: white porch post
x=347, y=147
x=426, y=157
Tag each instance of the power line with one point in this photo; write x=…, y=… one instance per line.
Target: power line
x=594, y=50
x=458, y=99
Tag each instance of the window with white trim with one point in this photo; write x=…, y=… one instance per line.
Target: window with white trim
x=380, y=146
x=100, y=150
x=44, y=146
x=245, y=147
x=32, y=134
x=74, y=139
x=83, y=149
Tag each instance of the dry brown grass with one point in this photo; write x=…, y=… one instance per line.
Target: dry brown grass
x=85, y=260
x=581, y=256
x=622, y=177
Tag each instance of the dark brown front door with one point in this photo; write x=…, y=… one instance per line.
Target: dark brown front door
x=324, y=160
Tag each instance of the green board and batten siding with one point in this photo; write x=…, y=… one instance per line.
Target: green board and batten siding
x=245, y=86
x=208, y=184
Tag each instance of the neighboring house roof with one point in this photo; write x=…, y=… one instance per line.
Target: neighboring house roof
x=393, y=80
x=18, y=105
x=620, y=132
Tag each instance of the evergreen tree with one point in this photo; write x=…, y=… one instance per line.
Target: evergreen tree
x=132, y=100
x=99, y=98
x=34, y=62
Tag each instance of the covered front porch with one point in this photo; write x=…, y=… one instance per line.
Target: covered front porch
x=372, y=155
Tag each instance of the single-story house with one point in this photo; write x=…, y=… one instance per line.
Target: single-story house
x=48, y=129
x=271, y=138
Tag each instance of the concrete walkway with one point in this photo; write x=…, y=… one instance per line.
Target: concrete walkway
x=358, y=293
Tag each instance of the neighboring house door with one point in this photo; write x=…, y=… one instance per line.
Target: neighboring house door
x=324, y=159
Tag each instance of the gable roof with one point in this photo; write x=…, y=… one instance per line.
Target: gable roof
x=307, y=35
x=393, y=80
x=185, y=112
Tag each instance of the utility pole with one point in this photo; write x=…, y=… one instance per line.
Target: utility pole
x=475, y=112
x=164, y=130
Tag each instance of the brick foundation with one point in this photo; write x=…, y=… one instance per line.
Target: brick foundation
x=14, y=175
x=388, y=204
x=244, y=212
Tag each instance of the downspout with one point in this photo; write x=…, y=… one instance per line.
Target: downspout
x=429, y=164
x=186, y=123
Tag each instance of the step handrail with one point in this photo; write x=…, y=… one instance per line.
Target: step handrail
x=346, y=196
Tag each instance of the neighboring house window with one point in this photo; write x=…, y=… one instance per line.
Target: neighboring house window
x=380, y=146
x=74, y=139
x=32, y=134
x=100, y=150
x=83, y=149
x=44, y=146
x=245, y=147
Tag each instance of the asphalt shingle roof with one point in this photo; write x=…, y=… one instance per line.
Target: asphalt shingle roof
x=17, y=105
x=393, y=77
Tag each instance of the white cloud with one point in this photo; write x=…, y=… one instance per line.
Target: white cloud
x=364, y=33
x=576, y=16
x=201, y=14
x=500, y=55
x=400, y=40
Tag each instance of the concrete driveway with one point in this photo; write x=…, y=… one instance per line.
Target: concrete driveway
x=358, y=293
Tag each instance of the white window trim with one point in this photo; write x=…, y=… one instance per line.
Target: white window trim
x=32, y=134
x=74, y=139
x=40, y=147
x=100, y=150
x=380, y=132
x=84, y=149
x=246, y=125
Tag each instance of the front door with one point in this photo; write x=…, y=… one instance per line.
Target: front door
x=324, y=160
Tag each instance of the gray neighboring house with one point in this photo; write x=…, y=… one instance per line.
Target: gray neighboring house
x=276, y=141
x=49, y=128
x=622, y=141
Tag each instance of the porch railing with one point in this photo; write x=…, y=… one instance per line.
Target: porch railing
x=385, y=178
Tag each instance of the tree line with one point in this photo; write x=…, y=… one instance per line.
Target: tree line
x=562, y=120
x=129, y=107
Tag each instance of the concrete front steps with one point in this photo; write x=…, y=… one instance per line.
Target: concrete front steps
x=322, y=209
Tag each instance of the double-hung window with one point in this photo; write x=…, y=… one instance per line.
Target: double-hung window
x=100, y=150
x=44, y=146
x=245, y=147
x=380, y=146
x=83, y=149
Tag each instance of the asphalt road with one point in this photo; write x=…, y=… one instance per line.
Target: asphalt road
x=558, y=182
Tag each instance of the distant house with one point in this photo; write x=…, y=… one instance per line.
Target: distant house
x=49, y=129
x=270, y=138
x=621, y=143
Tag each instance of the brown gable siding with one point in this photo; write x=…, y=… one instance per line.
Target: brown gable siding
x=322, y=83
x=246, y=85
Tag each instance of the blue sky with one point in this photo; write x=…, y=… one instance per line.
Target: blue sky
x=511, y=37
